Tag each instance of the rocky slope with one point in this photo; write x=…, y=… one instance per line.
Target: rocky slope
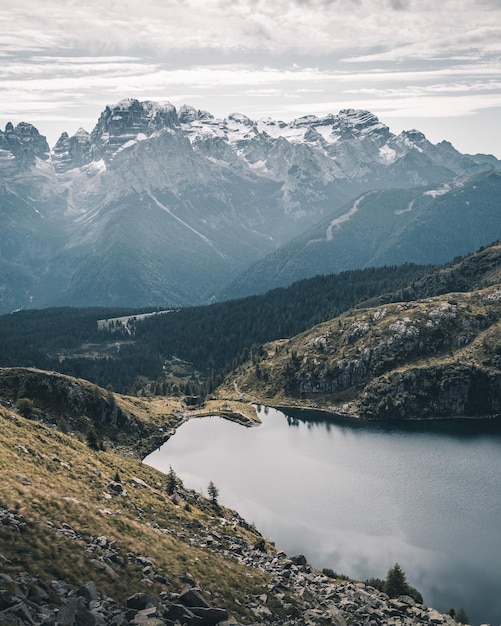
x=161, y=206
x=435, y=357
x=95, y=537
x=294, y=594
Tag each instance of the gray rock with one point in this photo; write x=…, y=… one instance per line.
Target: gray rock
x=23, y=479
x=6, y=600
x=75, y=613
x=183, y=615
x=210, y=616
x=138, y=482
x=141, y=601
x=60, y=587
x=88, y=592
x=192, y=597
x=299, y=559
x=116, y=488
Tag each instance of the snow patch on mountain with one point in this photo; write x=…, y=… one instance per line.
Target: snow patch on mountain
x=409, y=208
x=388, y=154
x=437, y=192
x=186, y=225
x=336, y=223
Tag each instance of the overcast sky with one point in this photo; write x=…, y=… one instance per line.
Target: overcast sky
x=434, y=65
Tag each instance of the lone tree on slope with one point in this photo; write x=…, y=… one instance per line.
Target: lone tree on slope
x=213, y=492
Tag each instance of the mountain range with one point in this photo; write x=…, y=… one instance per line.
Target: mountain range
x=158, y=206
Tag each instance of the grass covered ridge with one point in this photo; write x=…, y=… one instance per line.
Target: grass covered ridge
x=380, y=362
x=60, y=487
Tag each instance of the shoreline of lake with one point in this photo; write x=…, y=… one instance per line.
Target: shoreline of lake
x=358, y=497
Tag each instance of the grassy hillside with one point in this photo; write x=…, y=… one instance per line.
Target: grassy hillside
x=104, y=516
x=76, y=405
x=435, y=357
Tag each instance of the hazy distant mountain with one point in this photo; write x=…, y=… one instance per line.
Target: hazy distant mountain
x=420, y=225
x=159, y=206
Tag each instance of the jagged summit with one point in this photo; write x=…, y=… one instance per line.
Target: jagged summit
x=158, y=205
x=129, y=120
x=70, y=152
x=342, y=141
x=20, y=146
x=188, y=114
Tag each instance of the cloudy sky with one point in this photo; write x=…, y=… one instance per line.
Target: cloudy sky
x=434, y=65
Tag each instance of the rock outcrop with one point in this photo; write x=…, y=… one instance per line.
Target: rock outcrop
x=432, y=358
x=20, y=146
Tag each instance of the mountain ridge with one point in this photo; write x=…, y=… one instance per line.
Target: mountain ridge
x=434, y=356
x=159, y=206
x=419, y=225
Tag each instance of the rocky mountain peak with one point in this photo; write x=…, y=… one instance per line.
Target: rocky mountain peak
x=172, y=190
x=22, y=145
x=414, y=136
x=240, y=118
x=361, y=120
x=188, y=114
x=71, y=152
x=129, y=120
x=305, y=120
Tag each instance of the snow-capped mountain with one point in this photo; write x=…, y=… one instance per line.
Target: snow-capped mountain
x=163, y=206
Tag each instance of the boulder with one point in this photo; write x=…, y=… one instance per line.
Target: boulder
x=88, y=592
x=183, y=615
x=138, y=482
x=116, y=488
x=299, y=559
x=141, y=601
x=60, y=587
x=192, y=597
x=210, y=616
x=75, y=613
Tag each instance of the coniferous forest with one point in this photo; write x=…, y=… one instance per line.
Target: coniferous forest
x=208, y=340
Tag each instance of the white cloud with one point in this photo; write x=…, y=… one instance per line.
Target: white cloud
x=411, y=26
x=419, y=57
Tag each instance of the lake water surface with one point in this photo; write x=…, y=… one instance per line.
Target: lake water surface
x=358, y=498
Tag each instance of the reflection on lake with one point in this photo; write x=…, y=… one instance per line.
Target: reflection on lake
x=359, y=497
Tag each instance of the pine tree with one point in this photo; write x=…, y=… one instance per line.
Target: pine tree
x=173, y=482
x=461, y=617
x=92, y=440
x=213, y=492
x=63, y=425
x=25, y=406
x=396, y=582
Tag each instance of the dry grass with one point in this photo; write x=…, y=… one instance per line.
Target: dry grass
x=54, y=479
x=229, y=408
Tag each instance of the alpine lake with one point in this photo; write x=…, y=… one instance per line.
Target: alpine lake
x=359, y=497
